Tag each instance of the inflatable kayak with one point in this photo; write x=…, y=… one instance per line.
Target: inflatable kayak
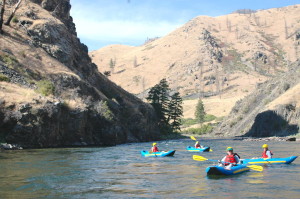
x=219, y=170
x=287, y=160
x=158, y=154
x=193, y=149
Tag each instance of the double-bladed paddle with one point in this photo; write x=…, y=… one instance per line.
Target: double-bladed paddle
x=253, y=167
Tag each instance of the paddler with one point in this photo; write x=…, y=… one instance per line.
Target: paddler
x=197, y=145
x=266, y=153
x=231, y=159
x=154, y=148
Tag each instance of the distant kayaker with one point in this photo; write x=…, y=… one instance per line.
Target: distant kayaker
x=154, y=148
x=266, y=153
x=231, y=159
x=197, y=145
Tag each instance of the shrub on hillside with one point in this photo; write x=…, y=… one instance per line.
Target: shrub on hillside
x=45, y=87
x=10, y=61
x=189, y=121
x=4, y=78
x=206, y=128
x=104, y=110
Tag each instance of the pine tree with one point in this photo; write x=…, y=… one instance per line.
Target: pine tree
x=200, y=112
x=163, y=92
x=154, y=99
x=175, y=111
x=158, y=97
x=111, y=65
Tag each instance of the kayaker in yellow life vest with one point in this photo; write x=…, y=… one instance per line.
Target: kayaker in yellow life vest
x=154, y=148
x=231, y=159
x=266, y=153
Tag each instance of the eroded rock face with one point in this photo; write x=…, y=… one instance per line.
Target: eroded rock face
x=104, y=114
x=252, y=117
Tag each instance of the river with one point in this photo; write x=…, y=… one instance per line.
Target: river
x=121, y=172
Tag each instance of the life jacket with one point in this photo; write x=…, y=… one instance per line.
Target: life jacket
x=197, y=145
x=154, y=149
x=230, y=158
x=264, y=154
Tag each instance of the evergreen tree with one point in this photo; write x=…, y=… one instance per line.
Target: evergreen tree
x=200, y=112
x=168, y=109
x=111, y=65
x=163, y=92
x=175, y=111
x=154, y=99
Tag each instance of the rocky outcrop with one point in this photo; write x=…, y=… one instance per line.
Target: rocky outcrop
x=212, y=45
x=103, y=114
x=56, y=125
x=252, y=117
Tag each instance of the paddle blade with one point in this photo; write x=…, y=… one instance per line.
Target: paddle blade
x=210, y=150
x=199, y=158
x=256, y=167
x=193, y=138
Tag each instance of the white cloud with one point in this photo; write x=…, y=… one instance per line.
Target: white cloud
x=122, y=31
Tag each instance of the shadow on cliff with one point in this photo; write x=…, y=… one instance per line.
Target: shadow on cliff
x=269, y=123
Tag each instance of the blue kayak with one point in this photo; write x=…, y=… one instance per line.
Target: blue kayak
x=219, y=170
x=287, y=160
x=157, y=154
x=193, y=149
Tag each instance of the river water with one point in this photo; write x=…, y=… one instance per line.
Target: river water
x=121, y=172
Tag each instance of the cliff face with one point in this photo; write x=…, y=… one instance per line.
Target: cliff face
x=272, y=110
x=85, y=108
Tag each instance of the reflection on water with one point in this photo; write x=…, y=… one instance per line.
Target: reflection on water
x=256, y=178
x=120, y=172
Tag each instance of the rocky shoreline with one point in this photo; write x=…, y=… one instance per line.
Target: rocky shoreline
x=266, y=139
x=6, y=146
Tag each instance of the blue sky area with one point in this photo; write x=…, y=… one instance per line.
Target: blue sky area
x=104, y=22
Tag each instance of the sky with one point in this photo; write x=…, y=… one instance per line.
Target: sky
x=130, y=22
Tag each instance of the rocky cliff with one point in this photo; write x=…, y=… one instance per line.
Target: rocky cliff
x=272, y=110
x=52, y=95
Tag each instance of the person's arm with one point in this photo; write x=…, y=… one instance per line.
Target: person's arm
x=237, y=159
x=269, y=154
x=223, y=160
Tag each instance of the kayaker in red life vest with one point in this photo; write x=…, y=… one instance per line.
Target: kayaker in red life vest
x=197, y=145
x=154, y=148
x=266, y=153
x=231, y=159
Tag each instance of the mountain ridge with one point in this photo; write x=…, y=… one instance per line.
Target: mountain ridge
x=238, y=37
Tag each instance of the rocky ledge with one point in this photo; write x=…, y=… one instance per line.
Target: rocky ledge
x=266, y=139
x=6, y=146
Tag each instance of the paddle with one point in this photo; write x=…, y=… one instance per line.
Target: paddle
x=253, y=167
x=193, y=138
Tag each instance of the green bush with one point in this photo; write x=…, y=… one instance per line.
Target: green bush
x=104, y=110
x=206, y=128
x=209, y=118
x=10, y=61
x=4, y=78
x=45, y=87
x=15, y=19
x=189, y=121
